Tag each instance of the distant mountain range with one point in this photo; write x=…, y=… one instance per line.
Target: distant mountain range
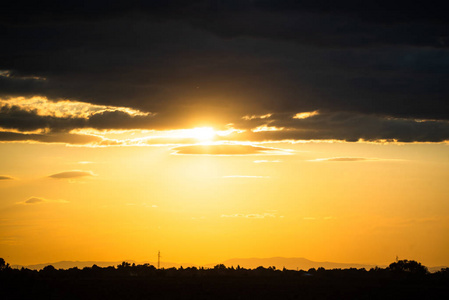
x=293, y=263
x=299, y=263
x=83, y=264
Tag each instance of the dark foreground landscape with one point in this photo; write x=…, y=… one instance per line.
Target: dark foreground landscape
x=401, y=280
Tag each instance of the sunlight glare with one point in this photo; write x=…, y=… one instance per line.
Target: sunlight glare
x=202, y=133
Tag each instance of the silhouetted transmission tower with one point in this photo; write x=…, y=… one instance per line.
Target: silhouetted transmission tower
x=159, y=259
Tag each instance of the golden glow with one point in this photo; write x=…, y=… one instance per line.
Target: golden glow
x=229, y=131
x=199, y=133
x=366, y=203
x=203, y=133
x=252, y=117
x=305, y=115
x=67, y=108
x=132, y=137
x=267, y=128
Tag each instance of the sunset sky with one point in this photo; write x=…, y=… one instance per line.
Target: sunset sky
x=210, y=130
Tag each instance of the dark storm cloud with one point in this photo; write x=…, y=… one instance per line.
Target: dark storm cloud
x=280, y=126
x=14, y=117
x=15, y=84
x=324, y=22
x=215, y=61
x=120, y=120
x=351, y=127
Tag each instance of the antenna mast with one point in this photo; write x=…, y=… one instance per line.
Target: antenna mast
x=159, y=259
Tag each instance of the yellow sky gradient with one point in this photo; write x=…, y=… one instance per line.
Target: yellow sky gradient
x=343, y=202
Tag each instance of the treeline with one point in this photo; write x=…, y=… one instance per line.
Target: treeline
x=403, y=279
x=398, y=269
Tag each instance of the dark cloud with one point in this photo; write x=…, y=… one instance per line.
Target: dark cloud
x=71, y=174
x=13, y=85
x=211, y=62
x=34, y=200
x=6, y=178
x=226, y=149
x=66, y=138
x=14, y=117
x=38, y=200
x=350, y=127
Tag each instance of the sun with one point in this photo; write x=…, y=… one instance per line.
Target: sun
x=202, y=133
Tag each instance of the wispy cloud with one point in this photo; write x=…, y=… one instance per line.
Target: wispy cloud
x=10, y=74
x=327, y=218
x=267, y=128
x=9, y=240
x=253, y=117
x=266, y=161
x=250, y=216
x=245, y=176
x=228, y=149
x=41, y=106
x=345, y=159
x=305, y=115
x=143, y=204
x=2, y=177
x=72, y=174
x=395, y=223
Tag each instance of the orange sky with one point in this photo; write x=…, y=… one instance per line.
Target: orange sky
x=344, y=202
x=210, y=130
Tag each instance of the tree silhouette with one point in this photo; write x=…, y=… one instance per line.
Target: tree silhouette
x=133, y=281
x=220, y=267
x=123, y=265
x=3, y=264
x=408, y=266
